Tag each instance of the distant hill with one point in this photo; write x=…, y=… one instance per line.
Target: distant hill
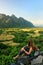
x=40, y=26
x=12, y=21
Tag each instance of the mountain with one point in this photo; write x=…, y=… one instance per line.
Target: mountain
x=12, y=21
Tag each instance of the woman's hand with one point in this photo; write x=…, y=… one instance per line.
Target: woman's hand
x=22, y=49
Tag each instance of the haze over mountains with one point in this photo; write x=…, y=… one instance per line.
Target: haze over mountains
x=12, y=21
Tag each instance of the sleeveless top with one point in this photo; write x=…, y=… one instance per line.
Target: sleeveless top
x=27, y=49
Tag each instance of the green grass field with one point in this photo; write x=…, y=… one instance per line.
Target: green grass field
x=13, y=39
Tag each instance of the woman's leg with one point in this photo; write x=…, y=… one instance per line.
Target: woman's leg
x=15, y=57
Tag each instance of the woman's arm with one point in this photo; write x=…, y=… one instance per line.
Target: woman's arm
x=30, y=50
x=22, y=49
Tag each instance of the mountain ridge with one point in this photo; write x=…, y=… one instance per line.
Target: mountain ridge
x=12, y=21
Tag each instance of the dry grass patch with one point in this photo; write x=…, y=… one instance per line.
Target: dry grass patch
x=11, y=43
x=6, y=37
x=25, y=29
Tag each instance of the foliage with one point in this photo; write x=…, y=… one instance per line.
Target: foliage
x=41, y=32
x=1, y=31
x=7, y=52
x=20, y=37
x=31, y=31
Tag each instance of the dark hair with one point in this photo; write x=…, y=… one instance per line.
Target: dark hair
x=31, y=43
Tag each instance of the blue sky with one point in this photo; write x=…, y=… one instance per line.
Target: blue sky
x=32, y=10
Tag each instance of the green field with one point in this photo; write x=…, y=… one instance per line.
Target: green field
x=12, y=39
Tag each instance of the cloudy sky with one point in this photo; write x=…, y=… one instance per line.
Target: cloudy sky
x=32, y=10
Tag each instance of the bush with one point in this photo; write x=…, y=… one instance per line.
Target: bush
x=41, y=32
x=31, y=31
x=19, y=37
x=1, y=31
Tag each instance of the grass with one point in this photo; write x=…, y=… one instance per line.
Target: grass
x=13, y=39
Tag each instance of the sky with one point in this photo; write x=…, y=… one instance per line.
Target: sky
x=31, y=10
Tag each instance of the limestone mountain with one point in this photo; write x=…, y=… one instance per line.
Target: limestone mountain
x=12, y=21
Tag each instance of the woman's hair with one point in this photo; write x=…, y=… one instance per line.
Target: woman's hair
x=31, y=44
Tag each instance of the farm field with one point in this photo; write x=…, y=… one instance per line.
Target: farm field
x=13, y=39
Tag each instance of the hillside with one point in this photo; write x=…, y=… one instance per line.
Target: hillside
x=12, y=21
x=13, y=39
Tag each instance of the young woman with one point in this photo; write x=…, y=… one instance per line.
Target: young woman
x=28, y=49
